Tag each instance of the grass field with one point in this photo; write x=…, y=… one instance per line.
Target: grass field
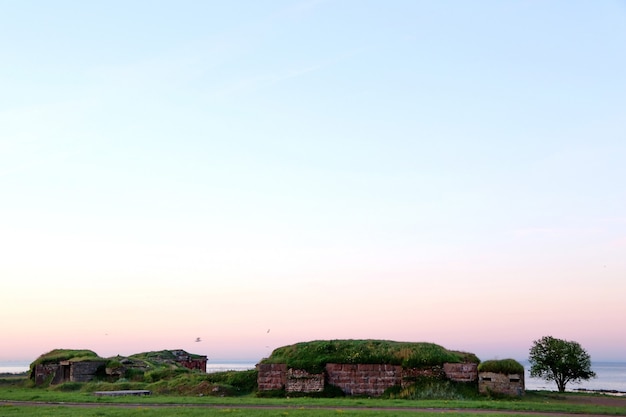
x=64, y=411
x=50, y=403
x=19, y=398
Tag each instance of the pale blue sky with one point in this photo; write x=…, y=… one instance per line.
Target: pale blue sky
x=329, y=169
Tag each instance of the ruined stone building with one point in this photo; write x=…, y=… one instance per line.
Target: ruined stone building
x=356, y=379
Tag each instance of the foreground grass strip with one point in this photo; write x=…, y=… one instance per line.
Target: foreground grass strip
x=548, y=406
x=543, y=402
x=108, y=411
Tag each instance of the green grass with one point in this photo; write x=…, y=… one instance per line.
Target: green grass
x=195, y=394
x=532, y=401
x=313, y=356
x=430, y=388
x=58, y=355
x=174, y=382
x=61, y=411
x=318, y=408
x=502, y=366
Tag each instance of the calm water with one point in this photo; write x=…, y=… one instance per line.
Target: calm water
x=229, y=366
x=610, y=375
x=14, y=367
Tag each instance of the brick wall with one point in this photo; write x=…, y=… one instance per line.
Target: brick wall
x=194, y=364
x=363, y=379
x=357, y=379
x=461, y=372
x=272, y=376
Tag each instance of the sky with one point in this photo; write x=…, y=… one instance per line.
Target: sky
x=262, y=173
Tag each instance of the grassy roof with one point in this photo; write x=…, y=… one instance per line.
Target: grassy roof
x=153, y=359
x=158, y=356
x=502, y=366
x=313, y=356
x=164, y=356
x=58, y=355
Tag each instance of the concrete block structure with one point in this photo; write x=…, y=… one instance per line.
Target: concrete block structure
x=498, y=383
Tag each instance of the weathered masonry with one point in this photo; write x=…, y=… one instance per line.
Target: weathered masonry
x=492, y=382
x=87, y=369
x=68, y=371
x=193, y=362
x=356, y=379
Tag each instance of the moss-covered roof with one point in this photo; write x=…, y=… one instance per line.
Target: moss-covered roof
x=314, y=355
x=502, y=366
x=60, y=355
x=162, y=358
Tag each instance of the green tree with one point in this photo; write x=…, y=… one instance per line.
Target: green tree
x=560, y=361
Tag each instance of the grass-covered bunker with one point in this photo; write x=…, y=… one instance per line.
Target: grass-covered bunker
x=65, y=365
x=361, y=367
x=504, y=376
x=71, y=365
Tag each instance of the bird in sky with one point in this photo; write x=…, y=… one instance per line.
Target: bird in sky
x=198, y=340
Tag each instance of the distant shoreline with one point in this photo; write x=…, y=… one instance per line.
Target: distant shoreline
x=617, y=393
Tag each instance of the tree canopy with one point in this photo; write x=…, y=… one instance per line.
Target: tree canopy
x=561, y=361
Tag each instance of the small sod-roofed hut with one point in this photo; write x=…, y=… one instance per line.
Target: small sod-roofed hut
x=66, y=365
x=504, y=376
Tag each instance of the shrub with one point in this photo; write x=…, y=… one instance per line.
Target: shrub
x=164, y=373
x=243, y=382
x=274, y=393
x=134, y=374
x=68, y=387
x=112, y=386
x=428, y=388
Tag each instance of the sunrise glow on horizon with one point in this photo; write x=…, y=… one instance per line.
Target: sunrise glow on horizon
x=257, y=174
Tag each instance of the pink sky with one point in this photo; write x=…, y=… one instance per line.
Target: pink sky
x=494, y=310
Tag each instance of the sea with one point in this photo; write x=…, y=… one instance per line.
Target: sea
x=610, y=376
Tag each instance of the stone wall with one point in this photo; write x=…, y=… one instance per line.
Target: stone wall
x=490, y=382
x=272, y=376
x=363, y=379
x=461, y=372
x=48, y=372
x=193, y=362
x=66, y=371
x=357, y=379
x=302, y=381
x=83, y=371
